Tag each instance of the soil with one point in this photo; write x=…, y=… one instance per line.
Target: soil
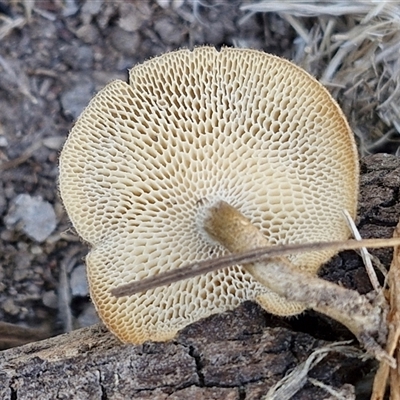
x=53, y=59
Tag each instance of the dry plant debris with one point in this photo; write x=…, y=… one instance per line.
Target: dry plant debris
x=385, y=373
x=352, y=47
x=287, y=387
x=154, y=174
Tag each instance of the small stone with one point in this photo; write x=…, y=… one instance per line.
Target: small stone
x=124, y=41
x=175, y=4
x=89, y=34
x=88, y=317
x=36, y=250
x=69, y=8
x=3, y=141
x=91, y=8
x=134, y=16
x=54, y=142
x=78, y=282
x=77, y=57
x=77, y=98
x=21, y=274
x=9, y=307
x=50, y=299
x=33, y=215
x=167, y=31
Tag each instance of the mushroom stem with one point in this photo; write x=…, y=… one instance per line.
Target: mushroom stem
x=365, y=319
x=232, y=229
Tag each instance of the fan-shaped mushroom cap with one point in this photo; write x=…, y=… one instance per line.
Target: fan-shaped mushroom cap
x=145, y=159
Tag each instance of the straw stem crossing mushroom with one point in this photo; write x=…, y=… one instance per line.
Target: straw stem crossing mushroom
x=154, y=169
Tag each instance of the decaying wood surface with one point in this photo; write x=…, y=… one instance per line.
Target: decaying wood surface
x=230, y=356
x=235, y=355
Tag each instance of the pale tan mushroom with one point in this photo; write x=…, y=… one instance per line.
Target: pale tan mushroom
x=147, y=162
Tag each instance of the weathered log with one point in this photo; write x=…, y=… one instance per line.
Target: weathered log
x=230, y=356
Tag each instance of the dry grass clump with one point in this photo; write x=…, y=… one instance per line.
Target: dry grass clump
x=353, y=49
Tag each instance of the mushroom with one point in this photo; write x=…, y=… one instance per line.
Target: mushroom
x=153, y=168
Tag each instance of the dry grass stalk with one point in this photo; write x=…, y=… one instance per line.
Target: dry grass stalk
x=353, y=49
x=7, y=25
x=288, y=386
x=364, y=253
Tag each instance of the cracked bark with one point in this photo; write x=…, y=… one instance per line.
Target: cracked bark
x=236, y=355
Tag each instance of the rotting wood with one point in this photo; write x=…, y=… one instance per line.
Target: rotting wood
x=225, y=356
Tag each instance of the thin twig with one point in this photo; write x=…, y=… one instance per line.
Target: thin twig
x=203, y=267
x=26, y=155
